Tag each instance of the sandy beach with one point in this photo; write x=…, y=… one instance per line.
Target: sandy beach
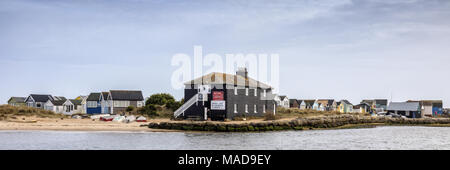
x=67, y=124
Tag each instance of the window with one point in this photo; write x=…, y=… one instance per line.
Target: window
x=255, y=109
x=235, y=108
x=91, y=104
x=38, y=105
x=246, y=91
x=235, y=91
x=264, y=109
x=256, y=92
x=246, y=108
x=265, y=93
x=121, y=103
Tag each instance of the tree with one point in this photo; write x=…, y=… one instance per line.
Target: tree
x=174, y=105
x=130, y=108
x=160, y=99
x=149, y=110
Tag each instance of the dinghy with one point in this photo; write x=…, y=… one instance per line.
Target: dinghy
x=141, y=119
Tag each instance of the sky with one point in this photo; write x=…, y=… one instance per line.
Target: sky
x=346, y=49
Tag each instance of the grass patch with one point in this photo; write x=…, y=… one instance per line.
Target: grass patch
x=294, y=112
x=10, y=112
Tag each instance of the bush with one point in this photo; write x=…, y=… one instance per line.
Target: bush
x=270, y=116
x=9, y=111
x=130, y=108
x=160, y=99
x=149, y=110
x=173, y=105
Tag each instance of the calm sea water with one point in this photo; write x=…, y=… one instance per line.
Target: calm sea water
x=398, y=138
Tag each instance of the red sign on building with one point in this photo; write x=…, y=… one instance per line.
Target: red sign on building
x=217, y=95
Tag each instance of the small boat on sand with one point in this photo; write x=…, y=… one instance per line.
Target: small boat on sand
x=107, y=118
x=141, y=119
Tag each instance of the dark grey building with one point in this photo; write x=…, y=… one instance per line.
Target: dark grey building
x=408, y=109
x=222, y=96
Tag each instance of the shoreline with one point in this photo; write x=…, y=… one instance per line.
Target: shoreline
x=146, y=129
x=166, y=125
x=57, y=124
x=300, y=124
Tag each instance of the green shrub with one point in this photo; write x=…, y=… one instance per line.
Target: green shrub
x=160, y=99
x=130, y=108
x=149, y=110
x=270, y=116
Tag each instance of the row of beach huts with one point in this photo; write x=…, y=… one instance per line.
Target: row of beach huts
x=110, y=102
x=410, y=108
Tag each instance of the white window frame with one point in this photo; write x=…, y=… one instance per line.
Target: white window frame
x=246, y=108
x=92, y=104
x=235, y=108
x=246, y=91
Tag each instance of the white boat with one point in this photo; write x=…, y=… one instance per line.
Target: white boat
x=76, y=117
x=99, y=116
x=119, y=119
x=141, y=119
x=130, y=119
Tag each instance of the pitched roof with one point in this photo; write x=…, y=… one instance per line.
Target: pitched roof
x=375, y=101
x=126, y=95
x=41, y=97
x=105, y=95
x=228, y=79
x=360, y=105
x=292, y=101
x=17, y=99
x=81, y=98
x=93, y=97
x=309, y=102
x=404, y=106
x=59, y=98
x=381, y=101
x=75, y=102
x=58, y=102
x=330, y=102
x=282, y=97
x=346, y=102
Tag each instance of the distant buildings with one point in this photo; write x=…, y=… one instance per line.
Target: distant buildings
x=377, y=105
x=345, y=107
x=294, y=103
x=408, y=109
x=282, y=101
x=17, y=101
x=55, y=105
x=95, y=103
x=72, y=106
x=325, y=105
x=38, y=100
x=429, y=108
x=120, y=100
x=362, y=108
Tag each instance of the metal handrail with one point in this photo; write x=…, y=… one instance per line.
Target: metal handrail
x=186, y=106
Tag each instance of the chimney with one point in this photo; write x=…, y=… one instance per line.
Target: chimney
x=242, y=71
